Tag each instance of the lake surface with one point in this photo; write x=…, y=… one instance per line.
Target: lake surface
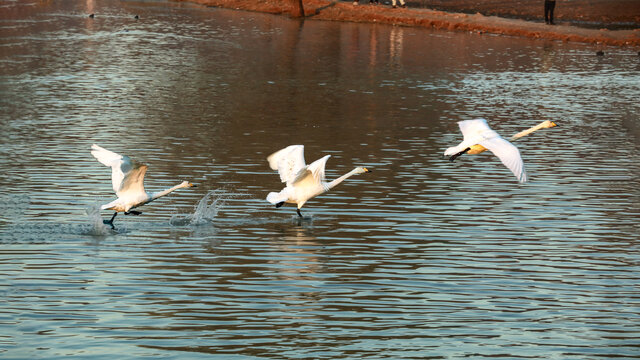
x=422, y=258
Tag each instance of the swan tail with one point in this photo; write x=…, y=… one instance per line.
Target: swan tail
x=109, y=206
x=277, y=197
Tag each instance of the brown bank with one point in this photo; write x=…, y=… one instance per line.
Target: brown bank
x=419, y=14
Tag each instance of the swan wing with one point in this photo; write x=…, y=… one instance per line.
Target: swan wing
x=288, y=162
x=508, y=154
x=133, y=182
x=106, y=157
x=119, y=164
x=473, y=132
x=314, y=172
x=473, y=128
x=126, y=174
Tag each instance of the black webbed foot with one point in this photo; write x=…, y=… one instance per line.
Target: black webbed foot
x=132, y=212
x=110, y=222
x=298, y=211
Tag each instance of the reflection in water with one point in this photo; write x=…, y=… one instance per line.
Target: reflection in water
x=423, y=258
x=395, y=45
x=548, y=54
x=373, y=46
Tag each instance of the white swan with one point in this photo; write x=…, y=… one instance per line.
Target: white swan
x=477, y=148
x=479, y=137
x=127, y=177
x=303, y=181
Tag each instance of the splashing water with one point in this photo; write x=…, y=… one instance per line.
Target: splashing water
x=13, y=206
x=98, y=228
x=206, y=210
x=27, y=230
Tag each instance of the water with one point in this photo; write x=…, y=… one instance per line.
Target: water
x=422, y=258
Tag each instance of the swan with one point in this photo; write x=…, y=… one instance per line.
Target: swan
x=127, y=177
x=304, y=182
x=477, y=148
x=479, y=137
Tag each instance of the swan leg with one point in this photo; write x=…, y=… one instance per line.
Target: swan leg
x=110, y=222
x=298, y=211
x=132, y=212
x=455, y=156
x=279, y=204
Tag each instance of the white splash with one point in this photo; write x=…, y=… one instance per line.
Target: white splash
x=206, y=210
x=13, y=206
x=98, y=228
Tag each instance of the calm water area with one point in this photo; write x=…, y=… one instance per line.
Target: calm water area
x=419, y=259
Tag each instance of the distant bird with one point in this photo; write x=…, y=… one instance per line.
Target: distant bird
x=599, y=53
x=136, y=17
x=127, y=177
x=91, y=16
x=478, y=137
x=303, y=181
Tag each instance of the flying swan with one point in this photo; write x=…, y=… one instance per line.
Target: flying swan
x=127, y=177
x=478, y=137
x=303, y=181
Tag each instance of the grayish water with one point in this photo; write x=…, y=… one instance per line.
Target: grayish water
x=422, y=258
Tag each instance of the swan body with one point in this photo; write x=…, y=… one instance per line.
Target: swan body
x=479, y=137
x=303, y=182
x=127, y=178
x=477, y=148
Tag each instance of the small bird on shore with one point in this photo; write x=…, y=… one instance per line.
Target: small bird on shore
x=304, y=182
x=127, y=177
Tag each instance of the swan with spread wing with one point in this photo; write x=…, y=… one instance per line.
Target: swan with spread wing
x=479, y=137
x=303, y=182
x=127, y=178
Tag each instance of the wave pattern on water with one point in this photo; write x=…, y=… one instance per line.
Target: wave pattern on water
x=422, y=258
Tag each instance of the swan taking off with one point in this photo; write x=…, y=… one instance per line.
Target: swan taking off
x=303, y=181
x=127, y=177
x=479, y=137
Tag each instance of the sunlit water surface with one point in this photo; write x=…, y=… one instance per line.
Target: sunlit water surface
x=422, y=258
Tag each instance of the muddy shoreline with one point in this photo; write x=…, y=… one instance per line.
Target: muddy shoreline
x=420, y=14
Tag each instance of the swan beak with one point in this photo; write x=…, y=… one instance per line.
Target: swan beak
x=366, y=170
x=553, y=124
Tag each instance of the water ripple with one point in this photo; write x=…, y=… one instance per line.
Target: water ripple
x=422, y=258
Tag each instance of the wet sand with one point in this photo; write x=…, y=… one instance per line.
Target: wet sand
x=519, y=18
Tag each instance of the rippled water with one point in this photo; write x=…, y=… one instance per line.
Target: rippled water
x=422, y=258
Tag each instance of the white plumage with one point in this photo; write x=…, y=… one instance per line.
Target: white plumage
x=478, y=132
x=303, y=182
x=127, y=178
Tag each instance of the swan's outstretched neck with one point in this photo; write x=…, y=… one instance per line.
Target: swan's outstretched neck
x=543, y=125
x=358, y=170
x=162, y=193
